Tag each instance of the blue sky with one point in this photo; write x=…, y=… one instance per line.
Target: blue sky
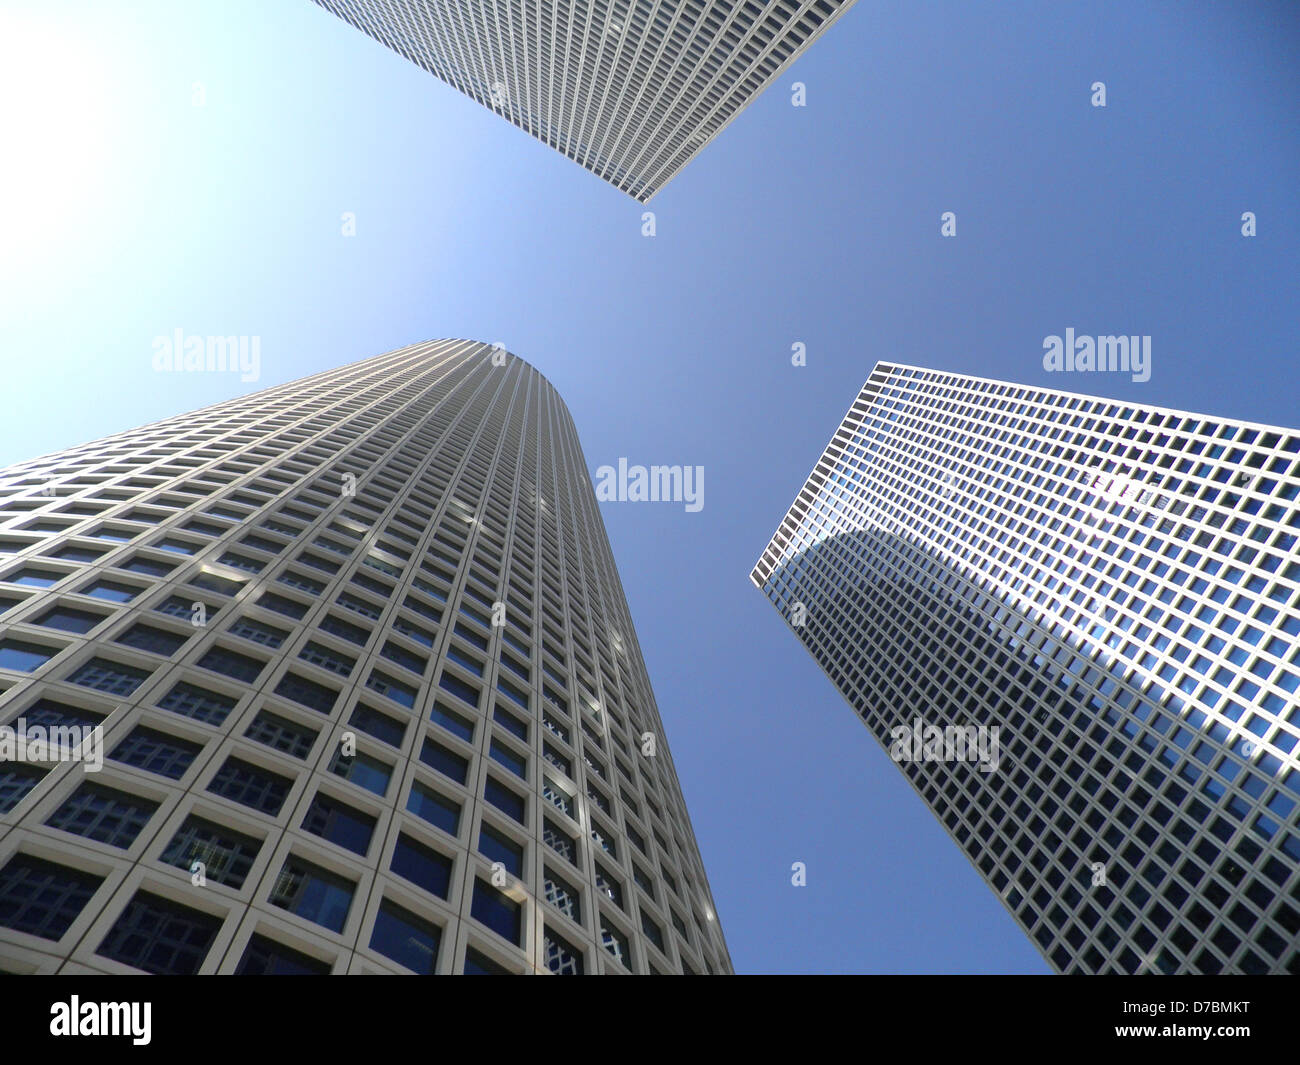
x=131, y=212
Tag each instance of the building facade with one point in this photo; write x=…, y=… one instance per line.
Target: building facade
x=1074, y=624
x=630, y=89
x=368, y=694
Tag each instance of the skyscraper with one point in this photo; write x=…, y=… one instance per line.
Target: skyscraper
x=629, y=89
x=369, y=693
x=1074, y=623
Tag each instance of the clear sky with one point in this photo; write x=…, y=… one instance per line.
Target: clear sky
x=176, y=164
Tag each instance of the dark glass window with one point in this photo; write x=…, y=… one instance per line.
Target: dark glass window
x=35, y=578
x=266, y=957
x=258, y=632
x=282, y=605
x=339, y=823
x=503, y=755
x=307, y=692
x=104, y=814
x=362, y=770
x=230, y=664
x=149, y=638
x=227, y=856
x=381, y=726
x=16, y=780
x=452, y=722
x=504, y=799
x=477, y=964
x=327, y=658
x=313, y=893
x=497, y=847
x=510, y=723
x=407, y=939
x=149, y=566
x=501, y=914
x=422, y=865
x=450, y=682
x=251, y=785
x=24, y=657
x=445, y=761
x=394, y=689
x=160, y=936
x=192, y=701
x=42, y=898
x=281, y=733
x=111, y=591
x=156, y=752
x=112, y=677
x=338, y=627
x=69, y=619
x=562, y=957
x=426, y=803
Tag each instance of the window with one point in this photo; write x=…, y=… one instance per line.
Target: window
x=103, y=814
x=282, y=605
x=69, y=619
x=615, y=942
x=24, y=657
x=394, y=689
x=227, y=856
x=111, y=677
x=231, y=664
x=559, y=841
x=459, y=688
x=266, y=957
x=381, y=726
x=35, y=578
x=562, y=957
x=407, y=939
x=499, y=913
x=362, y=770
x=444, y=761
x=562, y=895
x=338, y=627
x=422, y=866
x=281, y=733
x=307, y=692
x=250, y=785
x=503, y=755
x=339, y=823
x=111, y=591
x=334, y=661
x=149, y=638
x=431, y=806
x=652, y=931
x=257, y=632
x=312, y=893
x=16, y=780
x=510, y=723
x=42, y=898
x=160, y=936
x=156, y=752
x=453, y=722
x=198, y=703
x=478, y=964
x=497, y=847
x=504, y=799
